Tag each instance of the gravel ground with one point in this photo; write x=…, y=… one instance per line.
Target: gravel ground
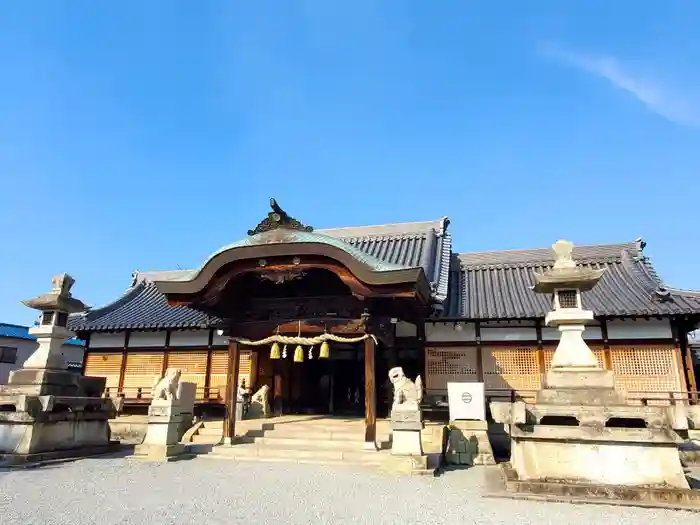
x=109, y=491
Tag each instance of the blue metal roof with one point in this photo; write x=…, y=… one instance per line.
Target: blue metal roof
x=17, y=331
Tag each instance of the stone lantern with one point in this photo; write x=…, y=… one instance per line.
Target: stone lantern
x=46, y=411
x=51, y=330
x=573, y=362
x=580, y=430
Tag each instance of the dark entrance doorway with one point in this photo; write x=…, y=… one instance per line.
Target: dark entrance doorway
x=348, y=380
x=324, y=386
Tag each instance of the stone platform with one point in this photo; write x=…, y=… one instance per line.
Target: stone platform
x=39, y=459
x=568, y=492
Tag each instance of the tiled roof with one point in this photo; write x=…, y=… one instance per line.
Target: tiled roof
x=419, y=244
x=142, y=307
x=496, y=285
x=16, y=331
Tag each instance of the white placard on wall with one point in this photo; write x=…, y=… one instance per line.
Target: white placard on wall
x=466, y=401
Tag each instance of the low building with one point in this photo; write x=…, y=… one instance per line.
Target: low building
x=440, y=314
x=17, y=344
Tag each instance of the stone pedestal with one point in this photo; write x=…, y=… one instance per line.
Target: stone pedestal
x=469, y=444
x=406, y=426
x=162, y=441
x=607, y=456
x=42, y=427
x=186, y=394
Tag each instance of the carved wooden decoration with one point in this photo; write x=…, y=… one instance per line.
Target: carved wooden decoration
x=278, y=218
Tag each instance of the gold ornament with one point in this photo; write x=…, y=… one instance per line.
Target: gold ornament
x=275, y=350
x=299, y=354
x=325, y=350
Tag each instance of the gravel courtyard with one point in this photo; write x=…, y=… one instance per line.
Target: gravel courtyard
x=108, y=491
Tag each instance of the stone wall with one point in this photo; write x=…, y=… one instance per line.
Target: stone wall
x=468, y=444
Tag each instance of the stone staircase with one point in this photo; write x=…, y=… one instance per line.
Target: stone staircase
x=209, y=432
x=302, y=439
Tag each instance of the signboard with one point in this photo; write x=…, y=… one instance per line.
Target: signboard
x=466, y=401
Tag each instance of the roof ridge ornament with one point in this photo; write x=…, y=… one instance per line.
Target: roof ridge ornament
x=278, y=218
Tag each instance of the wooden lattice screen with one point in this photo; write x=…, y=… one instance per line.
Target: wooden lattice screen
x=512, y=368
x=107, y=365
x=548, y=353
x=447, y=365
x=193, y=366
x=647, y=370
x=219, y=371
x=142, y=371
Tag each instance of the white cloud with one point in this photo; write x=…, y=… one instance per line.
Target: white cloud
x=662, y=100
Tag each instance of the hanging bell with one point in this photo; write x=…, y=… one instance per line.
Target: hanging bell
x=325, y=350
x=284, y=352
x=275, y=350
x=299, y=354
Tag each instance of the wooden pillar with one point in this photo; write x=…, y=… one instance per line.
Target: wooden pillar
x=370, y=393
x=231, y=391
x=122, y=370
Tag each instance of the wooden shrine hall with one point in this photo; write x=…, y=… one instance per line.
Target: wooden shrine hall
x=320, y=317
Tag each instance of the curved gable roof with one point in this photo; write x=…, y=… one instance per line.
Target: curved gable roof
x=425, y=245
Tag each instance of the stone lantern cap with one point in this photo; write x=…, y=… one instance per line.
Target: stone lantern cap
x=59, y=298
x=565, y=273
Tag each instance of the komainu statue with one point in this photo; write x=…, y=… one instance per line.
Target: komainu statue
x=407, y=394
x=259, y=403
x=167, y=386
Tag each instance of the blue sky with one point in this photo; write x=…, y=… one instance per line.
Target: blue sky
x=145, y=135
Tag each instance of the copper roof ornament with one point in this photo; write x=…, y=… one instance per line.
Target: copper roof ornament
x=278, y=218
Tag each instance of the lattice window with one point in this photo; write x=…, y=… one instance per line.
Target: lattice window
x=567, y=299
x=448, y=365
x=649, y=370
x=512, y=368
x=107, y=365
x=142, y=371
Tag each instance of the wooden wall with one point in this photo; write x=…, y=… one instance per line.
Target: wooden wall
x=639, y=369
x=132, y=373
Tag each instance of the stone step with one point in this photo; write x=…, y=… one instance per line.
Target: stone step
x=282, y=431
x=205, y=439
x=314, y=444
x=302, y=461
x=291, y=453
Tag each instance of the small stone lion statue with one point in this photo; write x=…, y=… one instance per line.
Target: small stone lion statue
x=259, y=403
x=407, y=394
x=167, y=386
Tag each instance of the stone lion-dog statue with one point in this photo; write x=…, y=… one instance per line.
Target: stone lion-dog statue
x=167, y=386
x=259, y=403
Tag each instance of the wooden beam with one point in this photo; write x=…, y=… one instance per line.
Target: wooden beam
x=308, y=328
x=207, y=376
x=370, y=395
x=231, y=392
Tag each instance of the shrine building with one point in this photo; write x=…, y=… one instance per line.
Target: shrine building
x=320, y=316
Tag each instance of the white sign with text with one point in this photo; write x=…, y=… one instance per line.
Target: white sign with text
x=466, y=401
